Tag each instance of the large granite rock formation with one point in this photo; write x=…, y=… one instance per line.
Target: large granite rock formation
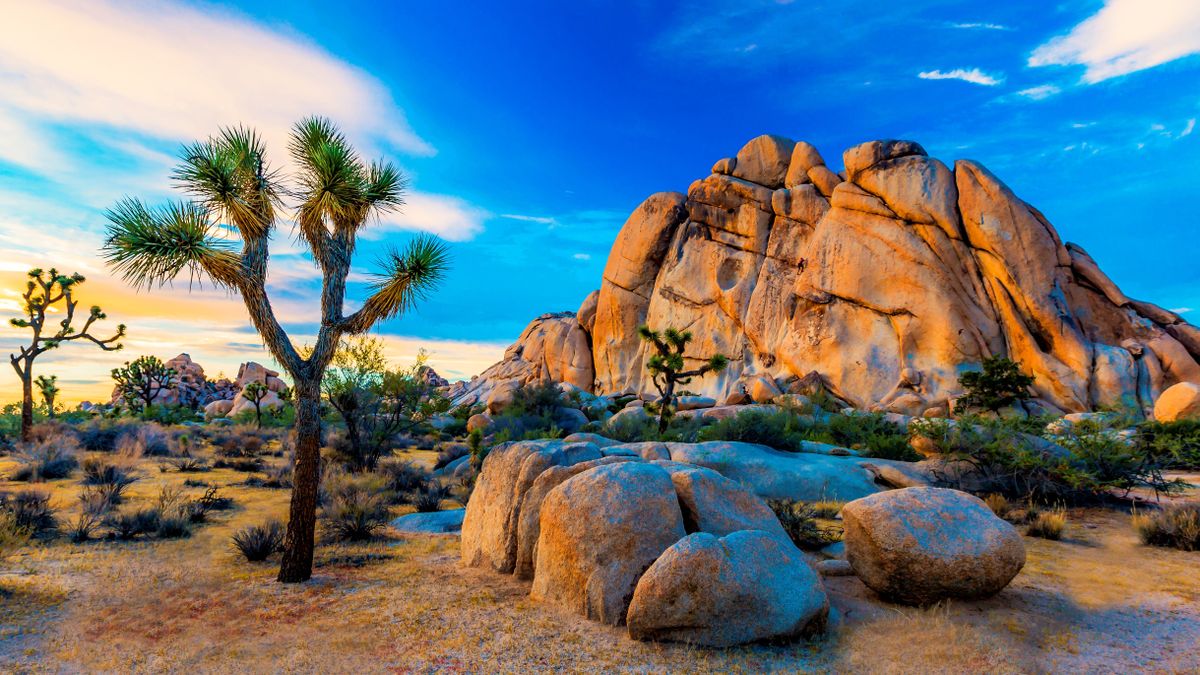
x=883, y=282
x=189, y=387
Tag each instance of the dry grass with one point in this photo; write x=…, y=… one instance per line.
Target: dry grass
x=1048, y=525
x=406, y=605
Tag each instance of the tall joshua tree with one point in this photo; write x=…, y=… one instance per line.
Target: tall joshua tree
x=666, y=367
x=335, y=194
x=43, y=291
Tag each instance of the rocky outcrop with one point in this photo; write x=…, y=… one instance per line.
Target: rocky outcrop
x=189, y=387
x=919, y=546
x=747, y=586
x=881, y=284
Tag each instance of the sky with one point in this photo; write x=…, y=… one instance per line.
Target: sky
x=530, y=131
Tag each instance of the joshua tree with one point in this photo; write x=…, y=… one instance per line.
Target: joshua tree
x=140, y=382
x=44, y=290
x=337, y=193
x=666, y=367
x=48, y=388
x=1001, y=383
x=255, y=392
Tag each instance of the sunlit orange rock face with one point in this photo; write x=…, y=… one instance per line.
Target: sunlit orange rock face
x=887, y=280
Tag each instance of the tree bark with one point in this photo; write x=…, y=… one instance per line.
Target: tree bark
x=296, y=565
x=26, y=403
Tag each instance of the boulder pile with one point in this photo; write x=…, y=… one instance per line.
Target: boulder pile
x=880, y=283
x=675, y=541
x=248, y=373
x=189, y=387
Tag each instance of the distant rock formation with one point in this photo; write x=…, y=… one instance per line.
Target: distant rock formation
x=883, y=282
x=189, y=388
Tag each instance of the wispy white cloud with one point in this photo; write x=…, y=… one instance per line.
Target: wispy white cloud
x=1182, y=310
x=544, y=220
x=1125, y=36
x=980, y=26
x=1187, y=130
x=973, y=75
x=582, y=256
x=447, y=216
x=1039, y=92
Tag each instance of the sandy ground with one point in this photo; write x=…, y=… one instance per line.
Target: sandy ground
x=1097, y=601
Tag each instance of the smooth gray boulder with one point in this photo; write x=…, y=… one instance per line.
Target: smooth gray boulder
x=748, y=586
x=717, y=505
x=437, y=522
x=918, y=546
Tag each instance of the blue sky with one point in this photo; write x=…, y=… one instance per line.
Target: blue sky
x=530, y=131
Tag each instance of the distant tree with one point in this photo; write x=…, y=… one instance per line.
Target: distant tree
x=337, y=194
x=140, y=381
x=666, y=366
x=1001, y=383
x=255, y=392
x=375, y=402
x=48, y=388
x=43, y=291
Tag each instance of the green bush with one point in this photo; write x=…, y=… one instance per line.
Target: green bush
x=1176, y=444
x=870, y=434
x=1176, y=526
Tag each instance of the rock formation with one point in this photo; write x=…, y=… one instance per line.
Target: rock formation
x=881, y=283
x=189, y=387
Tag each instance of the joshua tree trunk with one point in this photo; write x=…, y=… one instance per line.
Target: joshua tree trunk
x=26, y=399
x=664, y=405
x=298, y=544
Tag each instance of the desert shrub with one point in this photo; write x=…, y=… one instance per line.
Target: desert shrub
x=126, y=525
x=102, y=471
x=800, y=522
x=1174, y=526
x=102, y=435
x=478, y=449
x=144, y=440
x=31, y=510
x=456, y=428
x=871, y=434
x=198, y=509
x=1048, y=525
x=12, y=535
x=780, y=429
x=999, y=504
x=827, y=508
x=535, y=400
x=257, y=542
x=188, y=464
x=175, y=525
x=449, y=454
x=1175, y=444
x=239, y=441
x=1000, y=383
x=355, y=506
x=680, y=429
x=279, y=475
x=428, y=497
x=48, y=458
x=403, y=476
x=93, y=505
x=994, y=456
x=245, y=465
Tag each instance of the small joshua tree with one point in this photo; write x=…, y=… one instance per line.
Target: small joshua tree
x=255, y=392
x=48, y=388
x=1001, y=383
x=666, y=367
x=44, y=290
x=140, y=382
x=336, y=194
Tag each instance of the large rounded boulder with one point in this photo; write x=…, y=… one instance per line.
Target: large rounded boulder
x=920, y=545
x=717, y=592
x=598, y=531
x=1179, y=402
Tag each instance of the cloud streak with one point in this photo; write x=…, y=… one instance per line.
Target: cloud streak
x=1124, y=37
x=972, y=75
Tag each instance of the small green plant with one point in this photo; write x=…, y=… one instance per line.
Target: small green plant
x=666, y=366
x=999, y=384
x=478, y=452
x=1048, y=525
x=1175, y=526
x=48, y=389
x=256, y=543
x=799, y=521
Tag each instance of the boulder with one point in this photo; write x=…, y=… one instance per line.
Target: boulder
x=764, y=160
x=712, y=591
x=270, y=401
x=478, y=422
x=1178, y=402
x=712, y=503
x=804, y=157
x=595, y=439
x=437, y=522
x=217, y=409
x=693, y=402
x=918, y=546
x=598, y=531
x=763, y=389
x=529, y=517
